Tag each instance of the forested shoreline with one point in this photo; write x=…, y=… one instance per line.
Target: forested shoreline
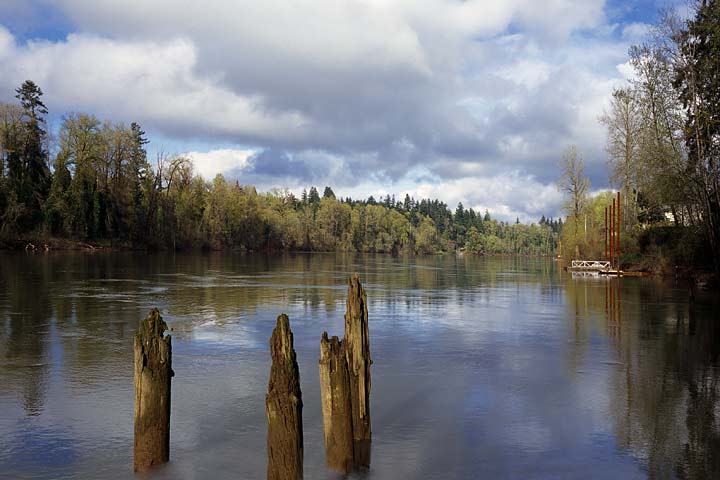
x=663, y=146
x=94, y=184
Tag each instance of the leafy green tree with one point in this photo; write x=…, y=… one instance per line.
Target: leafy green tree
x=474, y=242
x=103, y=189
x=426, y=238
x=80, y=151
x=10, y=126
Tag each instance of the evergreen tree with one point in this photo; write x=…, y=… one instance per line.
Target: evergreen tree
x=139, y=173
x=698, y=83
x=314, y=196
x=28, y=172
x=408, y=203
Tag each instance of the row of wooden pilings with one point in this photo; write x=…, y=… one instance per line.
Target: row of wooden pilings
x=344, y=386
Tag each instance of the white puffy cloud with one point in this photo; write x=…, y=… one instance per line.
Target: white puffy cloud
x=635, y=31
x=154, y=82
x=221, y=161
x=357, y=94
x=507, y=196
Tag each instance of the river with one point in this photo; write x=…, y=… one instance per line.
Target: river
x=482, y=367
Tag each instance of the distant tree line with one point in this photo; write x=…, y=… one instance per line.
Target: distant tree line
x=663, y=143
x=102, y=188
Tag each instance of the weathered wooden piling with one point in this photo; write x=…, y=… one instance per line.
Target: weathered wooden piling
x=153, y=371
x=336, y=406
x=357, y=348
x=283, y=406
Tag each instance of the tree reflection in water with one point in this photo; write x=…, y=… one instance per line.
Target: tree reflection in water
x=66, y=322
x=664, y=403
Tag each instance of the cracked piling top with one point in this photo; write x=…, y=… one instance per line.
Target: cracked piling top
x=329, y=348
x=284, y=371
x=152, y=326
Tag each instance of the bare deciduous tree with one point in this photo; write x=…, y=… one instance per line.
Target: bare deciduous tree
x=624, y=123
x=572, y=182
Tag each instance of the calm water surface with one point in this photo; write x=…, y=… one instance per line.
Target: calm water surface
x=483, y=368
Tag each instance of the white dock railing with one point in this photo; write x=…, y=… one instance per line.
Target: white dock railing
x=589, y=265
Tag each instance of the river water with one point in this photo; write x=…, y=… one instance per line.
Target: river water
x=482, y=368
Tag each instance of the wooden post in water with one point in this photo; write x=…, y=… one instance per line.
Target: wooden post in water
x=336, y=405
x=617, y=241
x=345, y=387
x=283, y=406
x=153, y=371
x=357, y=345
x=606, y=235
x=612, y=234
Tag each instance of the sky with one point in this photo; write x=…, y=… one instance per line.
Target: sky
x=466, y=101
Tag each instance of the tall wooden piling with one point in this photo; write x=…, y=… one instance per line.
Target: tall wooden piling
x=153, y=371
x=357, y=345
x=612, y=233
x=606, y=234
x=283, y=406
x=336, y=405
x=617, y=241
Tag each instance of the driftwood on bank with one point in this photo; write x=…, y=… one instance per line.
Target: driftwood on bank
x=153, y=371
x=283, y=405
x=336, y=409
x=345, y=387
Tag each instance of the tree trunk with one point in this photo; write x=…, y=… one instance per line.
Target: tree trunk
x=357, y=344
x=336, y=406
x=153, y=371
x=283, y=406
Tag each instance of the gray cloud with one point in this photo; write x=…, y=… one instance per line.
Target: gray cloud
x=275, y=163
x=342, y=93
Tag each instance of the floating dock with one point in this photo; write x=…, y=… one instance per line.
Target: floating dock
x=598, y=267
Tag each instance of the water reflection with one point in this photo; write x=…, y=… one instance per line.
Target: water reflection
x=665, y=384
x=507, y=366
x=26, y=325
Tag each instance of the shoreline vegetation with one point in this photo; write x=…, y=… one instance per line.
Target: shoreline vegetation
x=103, y=190
x=663, y=147
x=102, y=194
x=90, y=185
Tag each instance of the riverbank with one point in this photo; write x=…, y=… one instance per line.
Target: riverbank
x=656, y=263
x=58, y=244
x=650, y=266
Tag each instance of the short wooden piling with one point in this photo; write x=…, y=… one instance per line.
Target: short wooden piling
x=336, y=406
x=153, y=371
x=283, y=406
x=357, y=347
